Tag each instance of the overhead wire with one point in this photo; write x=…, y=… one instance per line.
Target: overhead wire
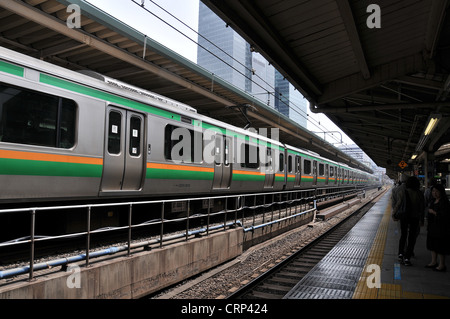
x=292, y=106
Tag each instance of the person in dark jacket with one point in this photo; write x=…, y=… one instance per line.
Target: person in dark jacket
x=438, y=236
x=397, y=197
x=412, y=219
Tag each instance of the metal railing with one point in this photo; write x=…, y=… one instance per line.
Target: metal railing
x=250, y=211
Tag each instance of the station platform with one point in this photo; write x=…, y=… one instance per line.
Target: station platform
x=364, y=265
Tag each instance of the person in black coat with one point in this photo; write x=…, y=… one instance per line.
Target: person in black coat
x=438, y=237
x=411, y=219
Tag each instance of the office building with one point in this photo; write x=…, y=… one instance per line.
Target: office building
x=227, y=55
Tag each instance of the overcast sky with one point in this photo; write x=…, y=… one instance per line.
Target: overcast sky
x=143, y=21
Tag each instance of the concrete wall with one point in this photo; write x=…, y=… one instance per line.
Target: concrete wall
x=145, y=272
x=135, y=276
x=259, y=235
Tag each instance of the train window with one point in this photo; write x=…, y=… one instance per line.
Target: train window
x=290, y=164
x=114, y=132
x=321, y=169
x=67, y=120
x=250, y=155
x=307, y=167
x=281, y=162
x=331, y=171
x=29, y=117
x=183, y=144
x=227, y=153
x=268, y=157
x=135, y=136
x=298, y=164
x=222, y=150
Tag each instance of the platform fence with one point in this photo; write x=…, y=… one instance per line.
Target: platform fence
x=193, y=217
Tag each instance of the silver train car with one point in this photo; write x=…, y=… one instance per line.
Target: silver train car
x=66, y=135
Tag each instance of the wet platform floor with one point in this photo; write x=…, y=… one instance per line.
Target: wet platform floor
x=364, y=265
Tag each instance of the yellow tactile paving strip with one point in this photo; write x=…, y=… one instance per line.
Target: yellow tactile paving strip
x=386, y=291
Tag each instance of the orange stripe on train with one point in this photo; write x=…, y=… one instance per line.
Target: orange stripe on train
x=33, y=156
x=180, y=167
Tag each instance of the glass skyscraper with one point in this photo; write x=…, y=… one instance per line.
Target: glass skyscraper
x=290, y=101
x=227, y=55
x=230, y=57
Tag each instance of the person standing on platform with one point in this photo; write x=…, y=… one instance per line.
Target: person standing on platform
x=414, y=217
x=409, y=210
x=438, y=237
x=398, y=195
x=428, y=197
x=398, y=205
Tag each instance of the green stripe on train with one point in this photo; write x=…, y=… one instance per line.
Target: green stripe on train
x=232, y=133
x=11, y=69
x=157, y=173
x=43, y=168
x=74, y=87
x=47, y=79
x=247, y=177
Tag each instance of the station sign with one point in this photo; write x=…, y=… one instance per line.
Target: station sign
x=402, y=164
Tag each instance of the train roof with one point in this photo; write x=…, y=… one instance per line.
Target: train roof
x=302, y=150
x=136, y=90
x=103, y=83
x=94, y=79
x=314, y=154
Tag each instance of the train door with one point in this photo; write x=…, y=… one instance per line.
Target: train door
x=222, y=164
x=332, y=175
x=270, y=172
x=124, y=157
x=298, y=171
x=314, y=172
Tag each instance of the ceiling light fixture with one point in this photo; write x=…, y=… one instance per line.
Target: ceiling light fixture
x=433, y=120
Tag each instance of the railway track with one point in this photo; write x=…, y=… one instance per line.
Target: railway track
x=281, y=278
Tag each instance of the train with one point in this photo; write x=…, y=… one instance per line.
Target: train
x=67, y=135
